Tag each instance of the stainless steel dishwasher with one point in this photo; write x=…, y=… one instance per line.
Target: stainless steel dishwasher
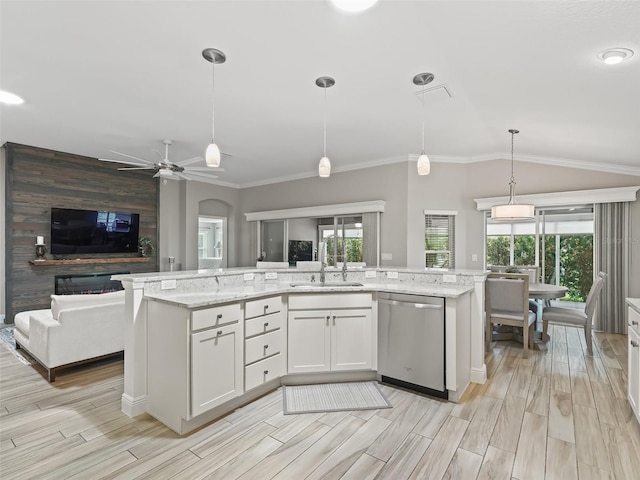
x=411, y=351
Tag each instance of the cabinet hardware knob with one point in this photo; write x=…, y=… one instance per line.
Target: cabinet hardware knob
x=266, y=307
x=266, y=324
x=219, y=316
x=266, y=372
x=219, y=332
x=634, y=344
x=266, y=346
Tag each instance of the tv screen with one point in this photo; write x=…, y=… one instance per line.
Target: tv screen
x=92, y=231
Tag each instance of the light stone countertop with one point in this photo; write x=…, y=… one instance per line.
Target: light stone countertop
x=248, y=292
x=634, y=303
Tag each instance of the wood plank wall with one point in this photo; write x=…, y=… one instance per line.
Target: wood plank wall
x=38, y=179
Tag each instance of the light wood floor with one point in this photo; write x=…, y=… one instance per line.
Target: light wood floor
x=557, y=414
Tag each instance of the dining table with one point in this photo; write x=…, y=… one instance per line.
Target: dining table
x=546, y=291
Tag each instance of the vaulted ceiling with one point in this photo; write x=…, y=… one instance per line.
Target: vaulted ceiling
x=115, y=75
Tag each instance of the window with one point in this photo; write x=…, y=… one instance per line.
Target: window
x=439, y=239
x=343, y=236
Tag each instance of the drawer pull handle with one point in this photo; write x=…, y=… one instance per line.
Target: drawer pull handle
x=219, y=332
x=266, y=307
x=266, y=372
x=634, y=322
x=266, y=346
x=634, y=344
x=266, y=324
x=219, y=317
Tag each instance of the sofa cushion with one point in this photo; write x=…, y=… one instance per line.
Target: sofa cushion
x=64, y=302
x=21, y=321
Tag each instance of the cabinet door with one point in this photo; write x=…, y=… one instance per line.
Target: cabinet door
x=216, y=367
x=351, y=339
x=634, y=370
x=309, y=341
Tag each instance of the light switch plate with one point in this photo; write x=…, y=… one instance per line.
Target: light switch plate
x=248, y=277
x=370, y=274
x=448, y=278
x=168, y=284
x=392, y=274
x=271, y=275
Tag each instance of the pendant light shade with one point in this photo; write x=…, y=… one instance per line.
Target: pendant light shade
x=324, y=167
x=512, y=211
x=212, y=154
x=424, y=165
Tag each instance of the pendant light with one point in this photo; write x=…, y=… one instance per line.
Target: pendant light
x=424, y=165
x=512, y=211
x=324, y=167
x=212, y=154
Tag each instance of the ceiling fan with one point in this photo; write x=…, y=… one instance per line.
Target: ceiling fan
x=166, y=169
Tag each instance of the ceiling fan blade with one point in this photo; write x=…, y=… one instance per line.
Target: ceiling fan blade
x=134, y=158
x=136, y=164
x=137, y=168
x=203, y=169
x=189, y=161
x=198, y=175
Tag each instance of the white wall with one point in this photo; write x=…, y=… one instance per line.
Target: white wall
x=3, y=214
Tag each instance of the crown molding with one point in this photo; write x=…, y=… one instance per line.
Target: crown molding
x=318, y=211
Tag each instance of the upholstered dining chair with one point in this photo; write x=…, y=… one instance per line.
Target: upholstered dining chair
x=574, y=316
x=507, y=303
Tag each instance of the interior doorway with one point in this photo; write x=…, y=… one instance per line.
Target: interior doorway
x=212, y=242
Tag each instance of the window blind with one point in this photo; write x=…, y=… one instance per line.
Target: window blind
x=439, y=240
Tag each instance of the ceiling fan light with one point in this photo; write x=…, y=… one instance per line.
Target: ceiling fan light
x=424, y=165
x=324, y=167
x=212, y=155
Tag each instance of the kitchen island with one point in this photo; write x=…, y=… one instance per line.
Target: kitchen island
x=246, y=322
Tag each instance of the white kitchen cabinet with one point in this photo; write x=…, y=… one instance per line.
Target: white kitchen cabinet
x=336, y=338
x=634, y=361
x=195, y=360
x=265, y=341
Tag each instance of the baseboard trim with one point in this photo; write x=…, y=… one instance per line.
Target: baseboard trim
x=132, y=407
x=479, y=375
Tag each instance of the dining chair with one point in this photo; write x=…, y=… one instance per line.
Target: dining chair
x=507, y=303
x=574, y=316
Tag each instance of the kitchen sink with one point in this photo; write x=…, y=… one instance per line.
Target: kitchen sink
x=325, y=284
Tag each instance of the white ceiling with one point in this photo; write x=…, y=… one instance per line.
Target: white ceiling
x=110, y=75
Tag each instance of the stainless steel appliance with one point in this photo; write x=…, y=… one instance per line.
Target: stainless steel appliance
x=411, y=351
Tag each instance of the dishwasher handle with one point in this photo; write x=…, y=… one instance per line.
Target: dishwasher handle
x=396, y=303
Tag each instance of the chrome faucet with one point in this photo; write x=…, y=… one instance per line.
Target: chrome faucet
x=344, y=269
x=322, y=259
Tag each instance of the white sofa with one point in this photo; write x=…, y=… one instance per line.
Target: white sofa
x=76, y=329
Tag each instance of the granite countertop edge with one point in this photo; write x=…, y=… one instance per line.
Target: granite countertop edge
x=235, y=294
x=634, y=303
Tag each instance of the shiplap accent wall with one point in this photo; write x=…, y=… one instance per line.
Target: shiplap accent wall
x=38, y=179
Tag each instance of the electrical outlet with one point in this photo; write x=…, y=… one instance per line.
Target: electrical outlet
x=392, y=274
x=271, y=275
x=248, y=277
x=168, y=284
x=448, y=278
x=370, y=274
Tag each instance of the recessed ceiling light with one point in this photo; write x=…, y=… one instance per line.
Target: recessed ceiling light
x=10, y=98
x=353, y=6
x=613, y=56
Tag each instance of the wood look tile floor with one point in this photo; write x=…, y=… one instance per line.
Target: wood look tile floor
x=557, y=414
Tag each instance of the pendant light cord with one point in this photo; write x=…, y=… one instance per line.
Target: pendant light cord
x=423, y=108
x=513, y=180
x=213, y=89
x=324, y=144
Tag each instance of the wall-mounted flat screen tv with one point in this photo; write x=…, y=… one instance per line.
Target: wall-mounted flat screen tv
x=93, y=231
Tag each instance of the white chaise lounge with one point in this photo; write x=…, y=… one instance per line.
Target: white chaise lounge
x=76, y=329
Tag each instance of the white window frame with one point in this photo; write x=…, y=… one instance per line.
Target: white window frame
x=451, y=232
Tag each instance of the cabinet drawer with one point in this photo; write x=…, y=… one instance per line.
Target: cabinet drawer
x=634, y=320
x=264, y=324
x=263, y=371
x=262, y=346
x=216, y=316
x=329, y=301
x=263, y=306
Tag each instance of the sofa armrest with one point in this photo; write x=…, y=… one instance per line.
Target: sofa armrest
x=41, y=327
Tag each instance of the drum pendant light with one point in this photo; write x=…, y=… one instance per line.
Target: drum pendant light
x=512, y=211
x=212, y=154
x=424, y=165
x=324, y=167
